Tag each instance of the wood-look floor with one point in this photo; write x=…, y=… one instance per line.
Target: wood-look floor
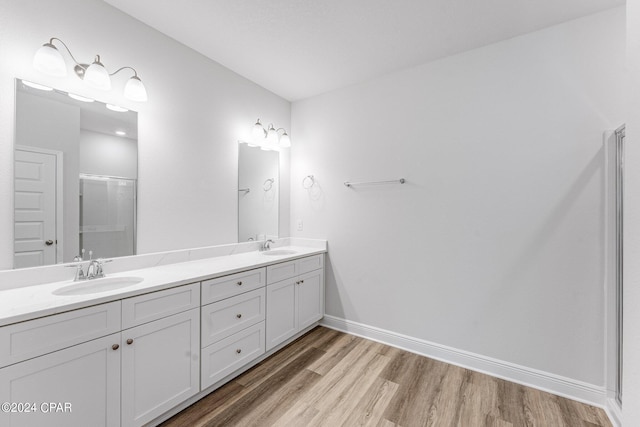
x=328, y=378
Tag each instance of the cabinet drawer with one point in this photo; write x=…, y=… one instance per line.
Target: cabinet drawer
x=224, y=357
x=36, y=337
x=289, y=269
x=282, y=271
x=226, y=317
x=311, y=263
x=224, y=287
x=156, y=305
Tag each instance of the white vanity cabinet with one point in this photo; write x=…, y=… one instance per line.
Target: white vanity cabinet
x=233, y=329
x=62, y=370
x=134, y=361
x=295, y=297
x=160, y=353
x=123, y=363
x=77, y=386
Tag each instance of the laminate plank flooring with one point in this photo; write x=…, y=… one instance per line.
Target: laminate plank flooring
x=328, y=378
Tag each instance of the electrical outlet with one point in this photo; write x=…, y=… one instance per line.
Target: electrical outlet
x=300, y=225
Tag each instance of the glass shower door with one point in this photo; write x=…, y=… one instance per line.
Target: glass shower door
x=107, y=216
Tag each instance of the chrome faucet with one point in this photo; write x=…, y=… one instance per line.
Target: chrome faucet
x=94, y=270
x=267, y=245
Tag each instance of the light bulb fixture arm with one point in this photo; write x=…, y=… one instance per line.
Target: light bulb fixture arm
x=135, y=73
x=68, y=51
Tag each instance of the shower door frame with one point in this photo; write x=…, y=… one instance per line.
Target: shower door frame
x=619, y=246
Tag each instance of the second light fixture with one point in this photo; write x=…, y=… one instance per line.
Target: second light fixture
x=270, y=138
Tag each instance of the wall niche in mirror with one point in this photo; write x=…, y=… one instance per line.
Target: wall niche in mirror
x=76, y=169
x=258, y=193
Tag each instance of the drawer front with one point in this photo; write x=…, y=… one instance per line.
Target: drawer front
x=228, y=286
x=36, y=337
x=224, y=357
x=311, y=263
x=282, y=271
x=156, y=305
x=226, y=317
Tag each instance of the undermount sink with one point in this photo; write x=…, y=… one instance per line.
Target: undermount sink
x=277, y=252
x=94, y=286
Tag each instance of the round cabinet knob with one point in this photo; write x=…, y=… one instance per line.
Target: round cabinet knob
x=115, y=346
x=129, y=341
x=239, y=316
x=239, y=351
x=301, y=281
x=49, y=242
x=240, y=283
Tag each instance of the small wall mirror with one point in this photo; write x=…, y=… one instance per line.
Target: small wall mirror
x=258, y=193
x=76, y=167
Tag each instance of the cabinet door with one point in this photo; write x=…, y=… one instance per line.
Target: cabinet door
x=281, y=312
x=75, y=387
x=160, y=366
x=310, y=299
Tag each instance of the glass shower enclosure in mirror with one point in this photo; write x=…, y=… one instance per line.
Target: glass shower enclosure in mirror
x=75, y=174
x=258, y=193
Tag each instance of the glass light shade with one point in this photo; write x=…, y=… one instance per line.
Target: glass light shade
x=257, y=134
x=285, y=141
x=134, y=90
x=97, y=76
x=48, y=60
x=272, y=138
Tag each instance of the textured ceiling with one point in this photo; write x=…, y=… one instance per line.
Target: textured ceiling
x=301, y=48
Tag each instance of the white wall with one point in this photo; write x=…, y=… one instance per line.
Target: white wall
x=495, y=243
x=631, y=380
x=109, y=155
x=188, y=130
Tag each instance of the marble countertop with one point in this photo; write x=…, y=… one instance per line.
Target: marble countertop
x=30, y=302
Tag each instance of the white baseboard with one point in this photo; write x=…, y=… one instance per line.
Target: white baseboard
x=614, y=412
x=555, y=384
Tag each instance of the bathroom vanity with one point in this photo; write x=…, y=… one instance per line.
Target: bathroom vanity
x=141, y=351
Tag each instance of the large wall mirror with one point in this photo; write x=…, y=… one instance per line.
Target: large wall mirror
x=76, y=168
x=258, y=193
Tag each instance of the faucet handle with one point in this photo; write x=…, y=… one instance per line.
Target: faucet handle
x=99, y=264
x=79, y=273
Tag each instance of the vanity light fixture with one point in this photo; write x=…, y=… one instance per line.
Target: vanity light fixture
x=270, y=138
x=49, y=60
x=121, y=133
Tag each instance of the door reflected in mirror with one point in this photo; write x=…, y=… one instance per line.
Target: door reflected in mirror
x=258, y=193
x=76, y=163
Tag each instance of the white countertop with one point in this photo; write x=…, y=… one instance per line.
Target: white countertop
x=26, y=303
